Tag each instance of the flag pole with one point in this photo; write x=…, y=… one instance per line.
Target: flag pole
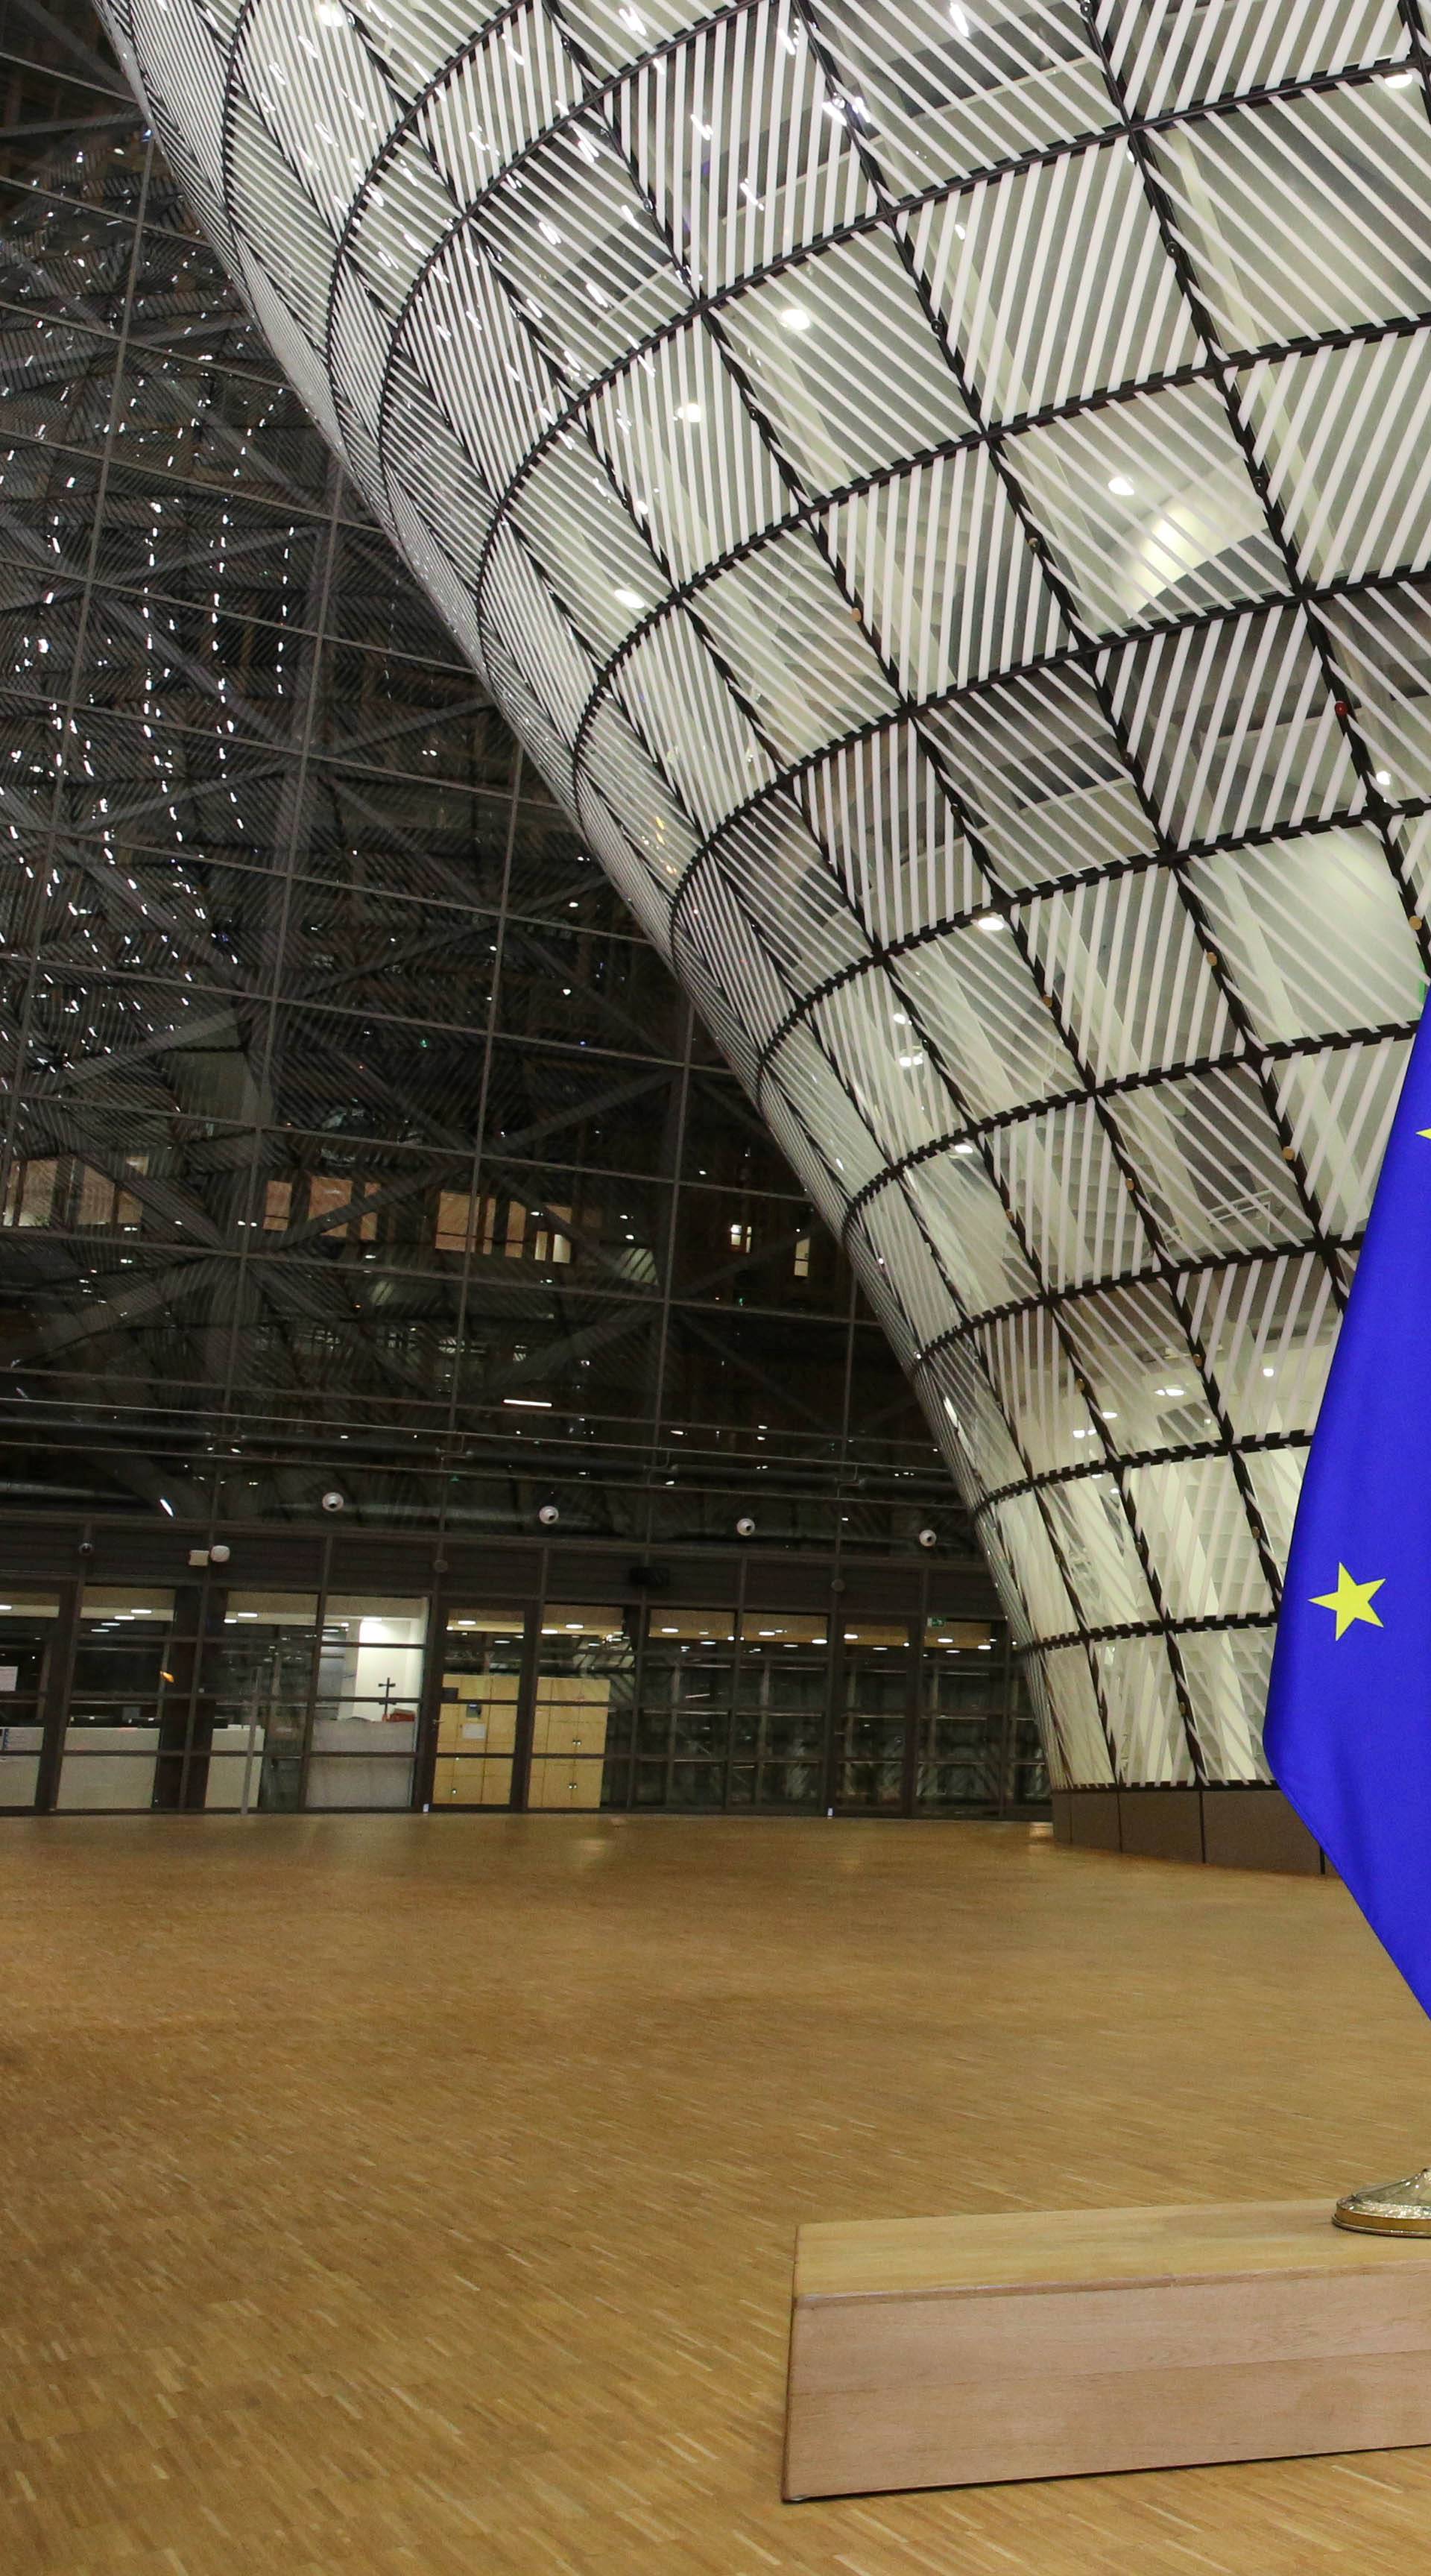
x=1389, y=2208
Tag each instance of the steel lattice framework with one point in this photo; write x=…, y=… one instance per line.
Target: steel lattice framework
x=940, y=492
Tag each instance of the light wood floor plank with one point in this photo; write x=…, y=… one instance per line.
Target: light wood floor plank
x=400, y=2198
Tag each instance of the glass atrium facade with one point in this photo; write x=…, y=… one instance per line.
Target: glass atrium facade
x=359, y=1144
x=941, y=494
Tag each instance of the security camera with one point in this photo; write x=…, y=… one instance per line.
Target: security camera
x=333, y=1501
x=745, y=1526
x=548, y=1515
x=929, y=1538
x=219, y=1553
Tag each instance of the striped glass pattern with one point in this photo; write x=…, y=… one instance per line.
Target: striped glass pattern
x=940, y=492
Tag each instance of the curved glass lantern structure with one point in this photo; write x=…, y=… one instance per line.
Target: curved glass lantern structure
x=940, y=491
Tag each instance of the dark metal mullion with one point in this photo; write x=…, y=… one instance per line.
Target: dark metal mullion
x=524, y=1728
x=668, y=1258
x=56, y=1689
x=1117, y=1087
x=1154, y=1274
x=429, y=1698
x=1006, y=1673
x=1214, y=1624
x=315, y=1664
x=1174, y=1453
x=638, y=1689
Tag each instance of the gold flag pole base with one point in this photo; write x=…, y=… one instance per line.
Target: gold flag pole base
x=1389, y=2208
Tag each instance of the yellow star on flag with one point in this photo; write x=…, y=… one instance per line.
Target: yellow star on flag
x=1351, y=1601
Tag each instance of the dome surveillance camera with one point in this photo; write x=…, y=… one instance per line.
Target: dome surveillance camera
x=219, y=1553
x=745, y=1526
x=548, y=1515
x=333, y=1501
x=929, y=1538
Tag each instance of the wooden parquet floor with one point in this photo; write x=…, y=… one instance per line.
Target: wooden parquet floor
x=398, y=2198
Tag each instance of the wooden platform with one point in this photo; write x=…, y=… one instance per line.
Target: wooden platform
x=965, y=2351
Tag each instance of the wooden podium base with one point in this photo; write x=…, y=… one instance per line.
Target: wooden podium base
x=959, y=2351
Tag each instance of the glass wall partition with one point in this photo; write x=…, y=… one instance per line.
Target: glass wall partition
x=879, y=1669
x=683, y=1723
x=197, y=1695
x=782, y=1700
x=122, y=1682
x=259, y=1669
x=369, y=1686
x=963, y=1682
x=477, y=1715
x=27, y=1626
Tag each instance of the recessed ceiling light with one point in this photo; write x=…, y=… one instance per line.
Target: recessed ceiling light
x=1120, y=484
x=796, y=317
x=688, y=411
x=629, y=598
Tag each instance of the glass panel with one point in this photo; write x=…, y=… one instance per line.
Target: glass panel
x=258, y=1670
x=585, y=1669
x=369, y=1685
x=26, y=1624
x=477, y=1722
x=873, y=1720
x=121, y=1680
x=961, y=1717
x=686, y=1682
x=781, y=1702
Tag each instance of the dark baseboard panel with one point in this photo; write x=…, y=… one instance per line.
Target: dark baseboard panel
x=1232, y=1828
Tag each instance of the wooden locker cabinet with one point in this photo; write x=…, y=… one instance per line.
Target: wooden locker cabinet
x=569, y=1740
x=476, y=1738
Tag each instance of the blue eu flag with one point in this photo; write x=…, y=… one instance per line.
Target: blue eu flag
x=1349, y=1707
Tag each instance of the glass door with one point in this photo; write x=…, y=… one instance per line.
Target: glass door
x=477, y=1714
